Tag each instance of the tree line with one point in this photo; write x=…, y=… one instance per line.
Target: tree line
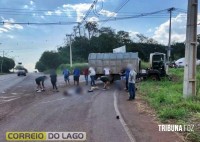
x=103, y=40
x=7, y=64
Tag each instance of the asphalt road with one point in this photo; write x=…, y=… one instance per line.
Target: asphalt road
x=22, y=109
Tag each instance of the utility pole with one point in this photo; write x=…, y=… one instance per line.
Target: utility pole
x=189, y=83
x=70, y=52
x=169, y=43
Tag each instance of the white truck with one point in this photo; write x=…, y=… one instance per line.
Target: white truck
x=119, y=61
x=116, y=62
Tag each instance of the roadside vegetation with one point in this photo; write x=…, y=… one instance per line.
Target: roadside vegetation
x=166, y=98
x=81, y=66
x=103, y=40
x=7, y=64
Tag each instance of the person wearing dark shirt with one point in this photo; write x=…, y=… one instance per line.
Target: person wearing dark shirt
x=76, y=74
x=86, y=73
x=53, y=77
x=40, y=83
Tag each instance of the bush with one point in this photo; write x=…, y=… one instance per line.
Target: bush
x=172, y=113
x=81, y=66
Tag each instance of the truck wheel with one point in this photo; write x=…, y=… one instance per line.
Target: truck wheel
x=154, y=77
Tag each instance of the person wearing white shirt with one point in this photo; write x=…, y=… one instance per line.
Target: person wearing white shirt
x=131, y=84
x=106, y=78
x=92, y=76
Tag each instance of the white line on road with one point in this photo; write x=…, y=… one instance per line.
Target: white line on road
x=8, y=100
x=11, y=99
x=127, y=130
x=7, y=97
x=53, y=101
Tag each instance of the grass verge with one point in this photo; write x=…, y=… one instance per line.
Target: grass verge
x=166, y=98
x=81, y=66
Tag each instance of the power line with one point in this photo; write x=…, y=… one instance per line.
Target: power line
x=33, y=23
x=86, y=15
x=117, y=10
x=134, y=16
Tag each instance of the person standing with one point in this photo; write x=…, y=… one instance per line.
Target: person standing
x=66, y=74
x=92, y=76
x=76, y=74
x=106, y=78
x=86, y=73
x=40, y=83
x=53, y=77
x=127, y=71
x=131, y=84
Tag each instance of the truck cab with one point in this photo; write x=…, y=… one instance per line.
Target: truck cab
x=157, y=63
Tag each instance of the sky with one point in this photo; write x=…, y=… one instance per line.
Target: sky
x=25, y=42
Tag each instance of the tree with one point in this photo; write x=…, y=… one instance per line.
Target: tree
x=107, y=30
x=123, y=37
x=92, y=28
x=81, y=48
x=8, y=64
x=51, y=59
x=40, y=66
x=143, y=39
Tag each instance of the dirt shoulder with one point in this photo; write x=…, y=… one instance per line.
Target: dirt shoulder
x=142, y=121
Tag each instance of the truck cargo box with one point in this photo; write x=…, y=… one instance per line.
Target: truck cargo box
x=115, y=61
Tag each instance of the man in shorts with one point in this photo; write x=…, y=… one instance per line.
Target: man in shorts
x=66, y=74
x=76, y=76
x=40, y=83
x=106, y=78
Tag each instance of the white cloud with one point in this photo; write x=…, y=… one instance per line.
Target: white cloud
x=3, y=30
x=26, y=7
x=107, y=13
x=80, y=9
x=9, y=27
x=92, y=19
x=32, y=3
x=133, y=34
x=161, y=33
x=48, y=13
x=10, y=36
x=42, y=17
x=58, y=12
x=149, y=30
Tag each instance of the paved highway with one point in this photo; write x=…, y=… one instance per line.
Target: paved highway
x=23, y=109
x=27, y=110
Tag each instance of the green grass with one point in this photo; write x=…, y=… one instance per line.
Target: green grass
x=81, y=66
x=167, y=99
x=144, y=65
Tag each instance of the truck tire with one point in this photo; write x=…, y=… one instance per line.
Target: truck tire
x=154, y=77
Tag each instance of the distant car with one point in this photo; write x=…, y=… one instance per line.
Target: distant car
x=181, y=62
x=21, y=72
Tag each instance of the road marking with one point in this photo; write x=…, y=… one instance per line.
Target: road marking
x=127, y=130
x=7, y=97
x=53, y=101
x=11, y=99
x=8, y=100
x=14, y=93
